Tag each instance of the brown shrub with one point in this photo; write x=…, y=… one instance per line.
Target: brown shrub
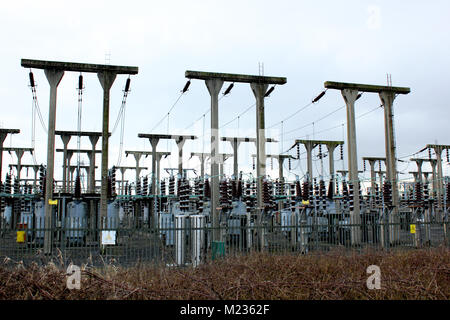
x=413, y=274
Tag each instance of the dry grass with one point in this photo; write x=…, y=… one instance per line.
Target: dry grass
x=413, y=274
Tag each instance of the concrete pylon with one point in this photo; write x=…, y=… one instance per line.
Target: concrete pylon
x=355, y=218
x=54, y=77
x=214, y=86
x=259, y=90
x=106, y=79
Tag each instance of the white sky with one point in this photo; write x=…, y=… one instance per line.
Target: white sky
x=308, y=42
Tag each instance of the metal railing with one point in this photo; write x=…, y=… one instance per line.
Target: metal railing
x=187, y=239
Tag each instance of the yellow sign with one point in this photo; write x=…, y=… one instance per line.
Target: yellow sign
x=412, y=228
x=20, y=236
x=305, y=202
x=52, y=202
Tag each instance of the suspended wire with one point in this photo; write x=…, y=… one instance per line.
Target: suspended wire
x=168, y=113
x=122, y=116
x=80, y=103
x=240, y=115
x=35, y=100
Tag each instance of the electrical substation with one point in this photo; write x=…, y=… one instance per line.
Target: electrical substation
x=183, y=216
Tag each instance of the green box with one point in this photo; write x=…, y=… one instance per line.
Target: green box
x=218, y=249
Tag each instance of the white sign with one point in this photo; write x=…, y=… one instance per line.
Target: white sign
x=108, y=237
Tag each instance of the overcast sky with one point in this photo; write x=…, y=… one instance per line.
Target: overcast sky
x=308, y=42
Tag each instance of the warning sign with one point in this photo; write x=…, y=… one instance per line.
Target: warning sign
x=109, y=237
x=52, y=202
x=412, y=228
x=21, y=236
x=305, y=202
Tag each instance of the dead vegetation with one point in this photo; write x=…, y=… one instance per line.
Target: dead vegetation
x=412, y=274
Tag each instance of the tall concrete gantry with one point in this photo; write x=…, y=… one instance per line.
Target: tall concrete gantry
x=3, y=134
x=280, y=158
x=35, y=168
x=154, y=139
x=91, y=173
x=433, y=164
x=372, y=161
x=310, y=145
x=137, y=157
x=387, y=95
x=235, y=142
x=93, y=138
x=259, y=85
x=19, y=154
x=54, y=71
x=438, y=148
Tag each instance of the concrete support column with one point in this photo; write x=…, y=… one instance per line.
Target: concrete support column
x=331, y=148
x=137, y=157
x=309, y=146
x=67, y=178
x=19, y=154
x=54, y=78
x=440, y=177
x=355, y=218
x=214, y=87
x=235, y=144
x=153, y=217
x=65, y=139
x=387, y=99
x=259, y=90
x=91, y=155
x=434, y=176
x=122, y=187
x=2, y=139
x=180, y=144
x=419, y=169
x=373, y=176
x=106, y=80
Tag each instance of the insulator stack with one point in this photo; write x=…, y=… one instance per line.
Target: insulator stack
x=320, y=152
x=183, y=194
x=290, y=165
x=330, y=190
x=108, y=188
x=113, y=179
x=278, y=187
x=172, y=186
x=448, y=194
x=429, y=154
x=207, y=190
x=224, y=194
x=361, y=200
x=239, y=189
x=312, y=190
x=253, y=164
x=199, y=194
x=163, y=187
x=298, y=151
x=298, y=190
x=446, y=153
x=342, y=151
x=351, y=205
x=253, y=188
x=138, y=188
x=7, y=186
x=129, y=189
x=266, y=195
x=271, y=190
x=305, y=191
x=16, y=186
x=377, y=196
x=387, y=194
x=323, y=194
x=426, y=196
x=233, y=189
x=418, y=193
x=77, y=191
x=178, y=186
x=248, y=198
x=292, y=196
x=145, y=186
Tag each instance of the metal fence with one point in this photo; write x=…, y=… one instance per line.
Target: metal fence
x=188, y=239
